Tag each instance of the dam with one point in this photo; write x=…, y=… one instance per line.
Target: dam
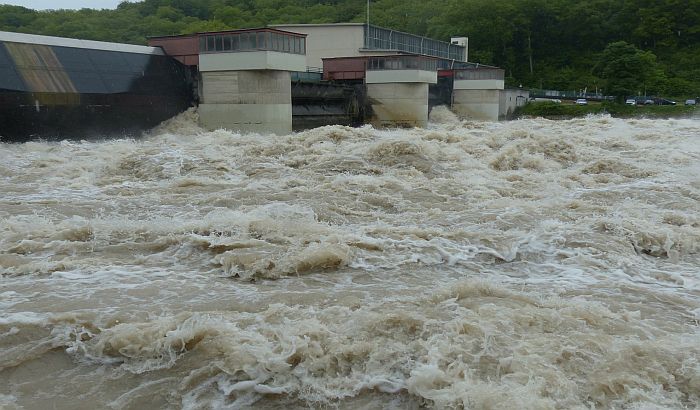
x=267, y=80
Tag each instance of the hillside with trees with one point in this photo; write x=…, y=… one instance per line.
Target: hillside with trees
x=621, y=46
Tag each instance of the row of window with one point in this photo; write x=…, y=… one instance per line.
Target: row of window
x=480, y=74
x=381, y=38
x=402, y=63
x=249, y=41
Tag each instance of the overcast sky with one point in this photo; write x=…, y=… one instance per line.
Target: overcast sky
x=64, y=4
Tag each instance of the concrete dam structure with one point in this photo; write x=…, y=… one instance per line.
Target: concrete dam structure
x=266, y=80
x=257, y=81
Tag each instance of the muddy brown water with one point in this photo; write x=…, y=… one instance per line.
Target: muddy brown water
x=527, y=264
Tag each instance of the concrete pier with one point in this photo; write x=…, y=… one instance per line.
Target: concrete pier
x=250, y=101
x=399, y=105
x=397, y=88
x=246, y=82
x=477, y=93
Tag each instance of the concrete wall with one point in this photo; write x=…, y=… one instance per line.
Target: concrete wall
x=510, y=100
x=252, y=60
x=399, y=104
x=479, y=84
x=324, y=41
x=248, y=101
x=481, y=105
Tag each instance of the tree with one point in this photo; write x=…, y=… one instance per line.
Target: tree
x=12, y=17
x=628, y=70
x=550, y=44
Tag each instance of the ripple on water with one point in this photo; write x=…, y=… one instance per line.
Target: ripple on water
x=533, y=264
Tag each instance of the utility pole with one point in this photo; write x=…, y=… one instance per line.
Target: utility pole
x=367, y=42
x=367, y=14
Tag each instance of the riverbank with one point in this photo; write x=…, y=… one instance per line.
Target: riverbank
x=565, y=111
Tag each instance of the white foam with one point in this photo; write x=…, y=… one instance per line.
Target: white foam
x=529, y=263
x=23, y=318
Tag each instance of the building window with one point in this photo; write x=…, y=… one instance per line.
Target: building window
x=255, y=40
x=210, y=43
x=245, y=42
x=235, y=42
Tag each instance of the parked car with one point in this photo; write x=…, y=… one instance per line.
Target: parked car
x=631, y=101
x=654, y=101
x=581, y=101
x=690, y=102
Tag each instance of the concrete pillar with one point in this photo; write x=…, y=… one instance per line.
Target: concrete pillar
x=399, y=105
x=482, y=105
x=477, y=93
x=248, y=91
x=249, y=101
x=399, y=98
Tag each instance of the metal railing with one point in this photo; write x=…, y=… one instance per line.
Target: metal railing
x=252, y=40
x=378, y=38
x=453, y=64
x=306, y=76
x=568, y=94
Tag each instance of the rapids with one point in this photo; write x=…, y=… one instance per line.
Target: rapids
x=530, y=264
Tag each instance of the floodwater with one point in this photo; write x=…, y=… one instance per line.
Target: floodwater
x=531, y=264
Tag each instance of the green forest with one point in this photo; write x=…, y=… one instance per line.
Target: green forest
x=623, y=47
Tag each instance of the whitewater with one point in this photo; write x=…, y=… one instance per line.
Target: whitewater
x=530, y=264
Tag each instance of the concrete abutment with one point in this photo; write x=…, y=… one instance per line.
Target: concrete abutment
x=399, y=98
x=248, y=101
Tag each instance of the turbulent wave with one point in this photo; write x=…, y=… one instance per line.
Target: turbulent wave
x=526, y=264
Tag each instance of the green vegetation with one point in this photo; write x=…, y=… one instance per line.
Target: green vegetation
x=619, y=46
x=623, y=66
x=553, y=110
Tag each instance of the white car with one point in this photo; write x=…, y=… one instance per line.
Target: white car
x=581, y=101
x=631, y=101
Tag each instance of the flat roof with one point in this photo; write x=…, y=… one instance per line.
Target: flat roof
x=243, y=30
x=10, y=37
x=315, y=24
x=401, y=54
